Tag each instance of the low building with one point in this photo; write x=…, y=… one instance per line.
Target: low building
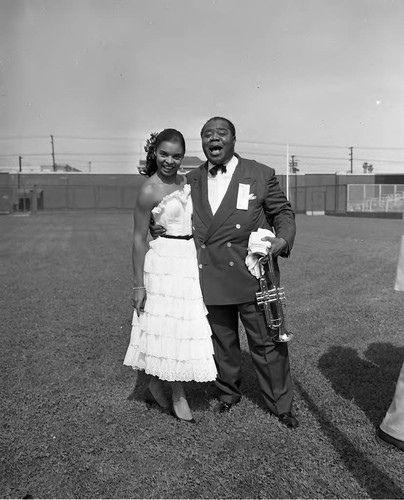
x=58, y=168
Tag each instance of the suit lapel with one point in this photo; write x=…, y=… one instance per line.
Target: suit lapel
x=199, y=193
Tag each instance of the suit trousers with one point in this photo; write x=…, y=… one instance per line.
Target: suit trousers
x=393, y=422
x=270, y=359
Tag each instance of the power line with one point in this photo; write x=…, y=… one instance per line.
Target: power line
x=292, y=144
x=257, y=153
x=264, y=153
x=100, y=138
x=380, y=160
x=18, y=138
x=239, y=141
x=23, y=154
x=323, y=157
x=384, y=149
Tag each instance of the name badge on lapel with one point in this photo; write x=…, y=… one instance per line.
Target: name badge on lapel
x=243, y=196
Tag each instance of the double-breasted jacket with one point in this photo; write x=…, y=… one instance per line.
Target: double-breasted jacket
x=222, y=239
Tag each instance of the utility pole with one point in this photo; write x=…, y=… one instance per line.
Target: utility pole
x=53, y=155
x=19, y=171
x=293, y=164
x=351, y=158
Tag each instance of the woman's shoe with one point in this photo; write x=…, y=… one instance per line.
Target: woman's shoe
x=150, y=399
x=192, y=421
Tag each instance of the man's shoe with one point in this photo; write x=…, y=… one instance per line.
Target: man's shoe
x=288, y=420
x=387, y=439
x=222, y=407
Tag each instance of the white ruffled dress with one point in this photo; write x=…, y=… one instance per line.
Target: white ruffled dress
x=172, y=338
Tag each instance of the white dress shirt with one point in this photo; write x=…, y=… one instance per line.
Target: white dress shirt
x=218, y=184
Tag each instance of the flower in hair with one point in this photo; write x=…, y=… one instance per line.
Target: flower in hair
x=150, y=149
x=150, y=144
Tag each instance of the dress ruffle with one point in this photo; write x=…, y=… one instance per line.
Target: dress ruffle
x=182, y=195
x=170, y=257
x=172, y=338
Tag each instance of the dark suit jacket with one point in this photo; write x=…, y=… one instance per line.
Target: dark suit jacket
x=222, y=239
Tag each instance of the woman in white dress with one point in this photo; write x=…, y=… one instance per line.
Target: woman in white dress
x=171, y=336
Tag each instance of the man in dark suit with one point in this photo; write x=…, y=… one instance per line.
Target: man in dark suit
x=233, y=197
x=228, y=205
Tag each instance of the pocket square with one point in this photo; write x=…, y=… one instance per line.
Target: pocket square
x=252, y=196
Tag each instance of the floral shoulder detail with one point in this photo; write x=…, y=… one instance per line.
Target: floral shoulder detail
x=181, y=195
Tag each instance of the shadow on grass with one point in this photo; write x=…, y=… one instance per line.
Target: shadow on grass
x=339, y=365
x=370, y=381
x=370, y=384
x=361, y=468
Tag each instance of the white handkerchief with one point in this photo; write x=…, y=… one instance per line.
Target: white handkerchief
x=255, y=243
x=257, y=250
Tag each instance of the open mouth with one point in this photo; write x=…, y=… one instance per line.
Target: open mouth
x=215, y=150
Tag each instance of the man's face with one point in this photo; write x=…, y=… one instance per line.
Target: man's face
x=218, y=142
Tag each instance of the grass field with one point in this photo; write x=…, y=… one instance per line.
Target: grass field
x=70, y=431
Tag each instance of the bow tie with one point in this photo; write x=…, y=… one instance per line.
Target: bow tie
x=215, y=169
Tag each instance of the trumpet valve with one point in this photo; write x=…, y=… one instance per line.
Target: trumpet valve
x=272, y=295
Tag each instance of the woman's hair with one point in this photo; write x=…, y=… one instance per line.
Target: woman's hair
x=168, y=134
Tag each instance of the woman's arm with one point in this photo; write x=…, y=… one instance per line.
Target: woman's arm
x=141, y=218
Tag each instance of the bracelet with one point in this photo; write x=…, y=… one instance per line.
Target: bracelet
x=139, y=288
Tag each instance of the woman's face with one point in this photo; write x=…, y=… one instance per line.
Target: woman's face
x=169, y=155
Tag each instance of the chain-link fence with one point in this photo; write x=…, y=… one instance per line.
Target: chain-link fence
x=79, y=197
x=310, y=199
x=375, y=198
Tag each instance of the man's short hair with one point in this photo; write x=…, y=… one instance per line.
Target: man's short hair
x=229, y=123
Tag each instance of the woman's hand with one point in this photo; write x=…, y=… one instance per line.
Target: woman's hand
x=139, y=300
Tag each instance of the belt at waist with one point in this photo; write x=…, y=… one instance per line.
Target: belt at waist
x=181, y=237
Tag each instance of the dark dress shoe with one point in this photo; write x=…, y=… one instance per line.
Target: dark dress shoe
x=192, y=421
x=288, y=420
x=389, y=440
x=222, y=407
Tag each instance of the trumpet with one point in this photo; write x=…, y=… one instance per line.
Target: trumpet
x=271, y=300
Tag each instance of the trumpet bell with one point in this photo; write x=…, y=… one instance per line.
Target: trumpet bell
x=283, y=336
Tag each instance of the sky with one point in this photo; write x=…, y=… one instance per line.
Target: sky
x=308, y=78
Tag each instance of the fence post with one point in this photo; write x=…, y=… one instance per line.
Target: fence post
x=34, y=200
x=67, y=196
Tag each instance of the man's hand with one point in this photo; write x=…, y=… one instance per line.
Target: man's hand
x=277, y=245
x=156, y=230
